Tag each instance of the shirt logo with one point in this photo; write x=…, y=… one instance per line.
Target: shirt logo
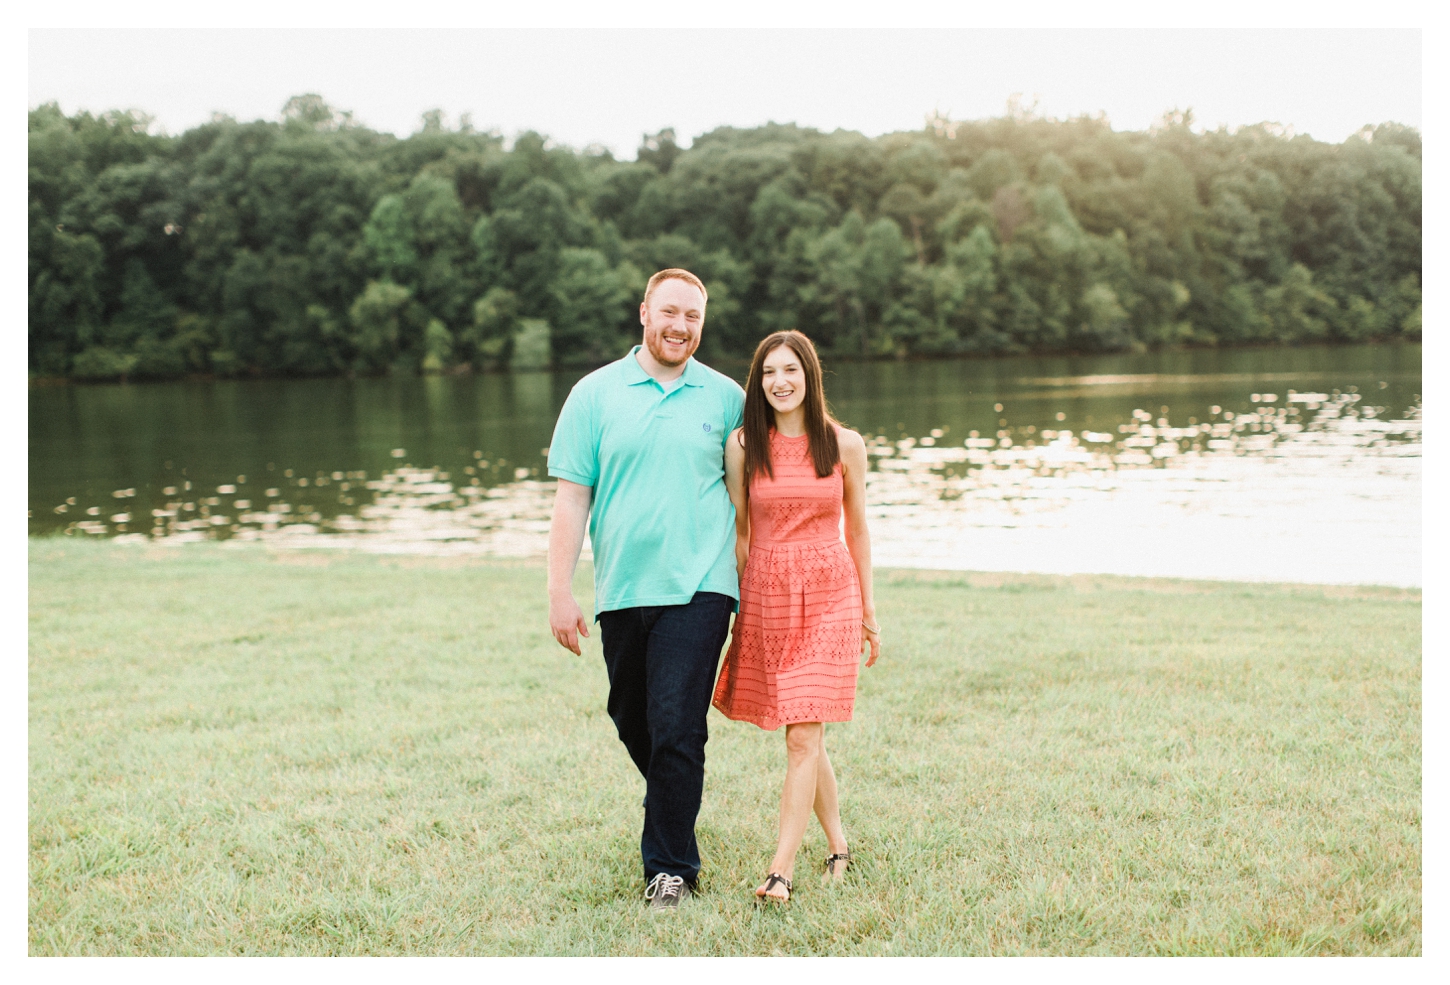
x=705, y=426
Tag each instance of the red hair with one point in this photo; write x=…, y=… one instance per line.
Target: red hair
x=674, y=273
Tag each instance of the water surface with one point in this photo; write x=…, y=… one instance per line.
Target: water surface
x=1272, y=464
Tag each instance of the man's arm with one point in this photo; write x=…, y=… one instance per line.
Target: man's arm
x=566, y=539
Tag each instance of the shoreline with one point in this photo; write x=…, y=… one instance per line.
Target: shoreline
x=741, y=362
x=315, y=555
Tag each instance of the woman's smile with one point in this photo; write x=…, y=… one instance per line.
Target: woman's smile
x=783, y=380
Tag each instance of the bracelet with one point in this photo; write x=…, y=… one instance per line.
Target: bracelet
x=871, y=629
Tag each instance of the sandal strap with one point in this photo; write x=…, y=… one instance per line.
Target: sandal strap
x=837, y=857
x=775, y=878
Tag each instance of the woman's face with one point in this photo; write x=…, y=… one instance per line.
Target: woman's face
x=784, y=379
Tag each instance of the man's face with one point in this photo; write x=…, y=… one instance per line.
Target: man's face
x=672, y=319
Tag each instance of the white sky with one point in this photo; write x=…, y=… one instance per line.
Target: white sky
x=610, y=86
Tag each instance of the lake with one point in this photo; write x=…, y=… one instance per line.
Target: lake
x=1297, y=464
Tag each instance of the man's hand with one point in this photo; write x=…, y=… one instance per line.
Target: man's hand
x=566, y=538
x=566, y=622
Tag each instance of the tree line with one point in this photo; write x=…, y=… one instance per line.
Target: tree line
x=312, y=245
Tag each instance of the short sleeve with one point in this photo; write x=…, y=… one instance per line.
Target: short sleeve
x=574, y=450
x=737, y=407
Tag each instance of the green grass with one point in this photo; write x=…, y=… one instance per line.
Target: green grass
x=239, y=752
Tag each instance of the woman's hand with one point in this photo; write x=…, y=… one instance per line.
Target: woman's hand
x=870, y=636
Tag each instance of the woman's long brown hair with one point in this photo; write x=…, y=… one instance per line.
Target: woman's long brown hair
x=760, y=416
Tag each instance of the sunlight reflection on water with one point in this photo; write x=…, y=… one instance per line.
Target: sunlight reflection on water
x=1309, y=487
x=1263, y=497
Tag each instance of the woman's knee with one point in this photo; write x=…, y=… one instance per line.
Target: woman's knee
x=803, y=741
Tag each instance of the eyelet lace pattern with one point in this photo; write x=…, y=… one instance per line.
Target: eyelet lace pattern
x=796, y=645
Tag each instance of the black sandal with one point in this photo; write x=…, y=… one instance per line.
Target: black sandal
x=772, y=880
x=829, y=876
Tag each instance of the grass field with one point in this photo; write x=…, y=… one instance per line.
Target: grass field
x=237, y=752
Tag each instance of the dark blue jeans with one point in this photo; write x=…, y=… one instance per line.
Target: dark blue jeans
x=662, y=662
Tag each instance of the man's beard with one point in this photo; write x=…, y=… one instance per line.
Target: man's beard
x=652, y=342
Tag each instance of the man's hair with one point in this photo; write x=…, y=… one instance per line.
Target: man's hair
x=674, y=273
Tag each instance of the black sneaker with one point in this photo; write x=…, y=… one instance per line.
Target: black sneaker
x=666, y=892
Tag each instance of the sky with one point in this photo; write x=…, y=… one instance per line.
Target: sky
x=609, y=87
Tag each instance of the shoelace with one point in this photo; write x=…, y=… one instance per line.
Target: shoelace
x=663, y=885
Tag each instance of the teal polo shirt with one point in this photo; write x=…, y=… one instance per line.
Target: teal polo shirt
x=661, y=524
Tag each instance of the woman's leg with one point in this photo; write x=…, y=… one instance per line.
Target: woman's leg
x=828, y=807
x=802, y=749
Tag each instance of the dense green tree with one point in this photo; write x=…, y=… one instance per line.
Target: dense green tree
x=313, y=245
x=590, y=305
x=379, y=317
x=488, y=339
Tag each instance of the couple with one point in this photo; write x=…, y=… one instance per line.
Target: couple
x=657, y=454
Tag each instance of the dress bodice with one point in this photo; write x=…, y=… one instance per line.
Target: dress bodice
x=796, y=506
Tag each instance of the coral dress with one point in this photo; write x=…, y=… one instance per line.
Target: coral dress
x=796, y=643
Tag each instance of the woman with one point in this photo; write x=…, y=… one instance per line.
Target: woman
x=806, y=610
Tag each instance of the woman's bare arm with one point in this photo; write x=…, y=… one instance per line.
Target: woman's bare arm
x=735, y=485
x=858, y=537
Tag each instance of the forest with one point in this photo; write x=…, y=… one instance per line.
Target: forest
x=312, y=245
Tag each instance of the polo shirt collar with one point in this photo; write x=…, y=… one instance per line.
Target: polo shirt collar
x=634, y=372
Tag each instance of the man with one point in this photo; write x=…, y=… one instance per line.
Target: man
x=639, y=452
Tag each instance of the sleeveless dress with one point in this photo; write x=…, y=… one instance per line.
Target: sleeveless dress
x=796, y=643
